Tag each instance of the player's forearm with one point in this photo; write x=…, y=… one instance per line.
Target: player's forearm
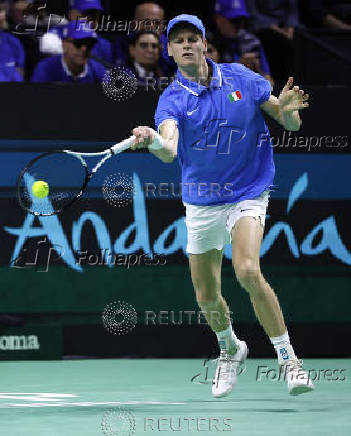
x=166, y=153
x=169, y=135
x=290, y=120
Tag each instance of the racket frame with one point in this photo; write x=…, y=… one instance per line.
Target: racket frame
x=115, y=149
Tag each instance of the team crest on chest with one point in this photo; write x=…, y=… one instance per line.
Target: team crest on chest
x=235, y=96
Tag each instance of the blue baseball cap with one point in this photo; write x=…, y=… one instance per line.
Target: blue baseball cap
x=78, y=29
x=231, y=8
x=191, y=19
x=84, y=5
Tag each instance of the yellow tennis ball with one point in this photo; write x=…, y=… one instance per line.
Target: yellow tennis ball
x=40, y=189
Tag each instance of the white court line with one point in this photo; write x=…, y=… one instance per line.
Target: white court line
x=89, y=404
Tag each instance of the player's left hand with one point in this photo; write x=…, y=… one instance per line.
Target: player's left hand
x=292, y=99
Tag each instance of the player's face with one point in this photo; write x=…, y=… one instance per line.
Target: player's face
x=187, y=48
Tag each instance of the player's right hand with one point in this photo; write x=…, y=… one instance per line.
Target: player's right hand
x=144, y=136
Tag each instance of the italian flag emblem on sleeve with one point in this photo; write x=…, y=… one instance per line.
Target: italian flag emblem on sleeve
x=235, y=96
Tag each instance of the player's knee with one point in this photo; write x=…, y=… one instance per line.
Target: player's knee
x=248, y=273
x=203, y=298
x=207, y=291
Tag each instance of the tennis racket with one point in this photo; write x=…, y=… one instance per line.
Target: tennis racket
x=66, y=176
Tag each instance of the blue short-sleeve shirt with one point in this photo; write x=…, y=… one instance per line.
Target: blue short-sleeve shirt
x=224, y=146
x=11, y=51
x=53, y=69
x=9, y=74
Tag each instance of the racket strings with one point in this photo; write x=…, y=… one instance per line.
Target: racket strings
x=65, y=176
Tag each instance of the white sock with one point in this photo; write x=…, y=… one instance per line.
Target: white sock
x=227, y=340
x=283, y=348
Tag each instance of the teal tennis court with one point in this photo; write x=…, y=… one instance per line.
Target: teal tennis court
x=144, y=397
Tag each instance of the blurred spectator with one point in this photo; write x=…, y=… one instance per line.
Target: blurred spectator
x=9, y=74
x=274, y=22
x=144, y=54
x=148, y=15
x=238, y=44
x=279, y=16
x=74, y=64
x=90, y=10
x=213, y=49
x=333, y=14
x=16, y=12
x=12, y=54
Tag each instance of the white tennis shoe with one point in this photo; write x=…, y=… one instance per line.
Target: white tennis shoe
x=228, y=367
x=297, y=378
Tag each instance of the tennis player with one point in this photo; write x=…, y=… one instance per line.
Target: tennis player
x=211, y=118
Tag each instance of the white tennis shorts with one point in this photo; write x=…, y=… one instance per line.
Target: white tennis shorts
x=210, y=227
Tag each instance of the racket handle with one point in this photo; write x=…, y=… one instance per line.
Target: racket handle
x=121, y=146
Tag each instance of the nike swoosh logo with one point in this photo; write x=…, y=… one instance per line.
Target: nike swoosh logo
x=191, y=112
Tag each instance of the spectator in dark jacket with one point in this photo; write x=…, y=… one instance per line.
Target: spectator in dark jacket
x=274, y=22
x=11, y=50
x=281, y=16
x=237, y=43
x=144, y=58
x=74, y=65
x=333, y=14
x=148, y=15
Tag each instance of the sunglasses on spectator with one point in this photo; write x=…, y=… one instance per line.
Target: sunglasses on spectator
x=79, y=43
x=153, y=45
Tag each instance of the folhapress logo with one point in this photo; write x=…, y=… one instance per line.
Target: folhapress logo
x=15, y=343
